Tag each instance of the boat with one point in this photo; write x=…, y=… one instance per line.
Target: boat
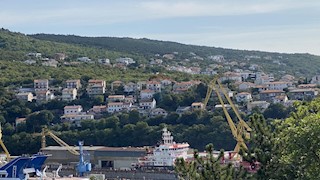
x=20, y=167
x=164, y=154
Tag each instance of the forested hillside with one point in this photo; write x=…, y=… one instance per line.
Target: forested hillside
x=295, y=64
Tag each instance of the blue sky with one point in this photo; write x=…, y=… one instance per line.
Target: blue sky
x=270, y=25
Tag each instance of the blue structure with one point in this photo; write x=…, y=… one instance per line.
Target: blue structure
x=83, y=166
x=14, y=169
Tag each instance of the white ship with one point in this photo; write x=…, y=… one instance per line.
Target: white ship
x=165, y=154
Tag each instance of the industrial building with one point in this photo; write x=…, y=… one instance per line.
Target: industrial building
x=100, y=156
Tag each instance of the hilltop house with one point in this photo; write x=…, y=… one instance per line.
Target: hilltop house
x=96, y=87
x=130, y=87
x=158, y=112
x=269, y=95
x=278, y=85
x=146, y=94
x=302, y=94
x=44, y=95
x=25, y=96
x=74, y=114
x=147, y=104
x=74, y=83
x=118, y=106
x=154, y=86
x=41, y=84
x=115, y=98
x=69, y=94
x=116, y=84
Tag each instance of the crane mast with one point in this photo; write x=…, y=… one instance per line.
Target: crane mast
x=3, y=146
x=45, y=132
x=242, y=128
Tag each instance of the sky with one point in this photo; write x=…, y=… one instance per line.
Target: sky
x=290, y=26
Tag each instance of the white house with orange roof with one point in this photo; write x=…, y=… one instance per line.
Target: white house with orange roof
x=74, y=114
x=278, y=85
x=115, y=98
x=96, y=87
x=113, y=107
x=75, y=109
x=73, y=83
x=183, y=85
x=41, y=84
x=146, y=94
x=269, y=95
x=99, y=109
x=307, y=86
x=154, y=85
x=147, y=104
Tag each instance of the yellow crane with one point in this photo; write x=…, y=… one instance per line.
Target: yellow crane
x=242, y=128
x=3, y=146
x=46, y=132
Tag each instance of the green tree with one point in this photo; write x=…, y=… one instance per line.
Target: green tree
x=208, y=168
x=299, y=138
x=276, y=111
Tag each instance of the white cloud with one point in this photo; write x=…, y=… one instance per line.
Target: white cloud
x=106, y=12
x=219, y=8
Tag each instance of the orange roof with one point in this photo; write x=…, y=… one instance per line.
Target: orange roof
x=40, y=80
x=153, y=82
x=277, y=82
x=197, y=104
x=272, y=91
x=147, y=91
x=72, y=107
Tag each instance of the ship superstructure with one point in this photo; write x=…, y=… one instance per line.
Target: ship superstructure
x=165, y=154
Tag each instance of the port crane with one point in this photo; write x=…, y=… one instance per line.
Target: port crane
x=240, y=130
x=46, y=132
x=3, y=146
x=83, y=166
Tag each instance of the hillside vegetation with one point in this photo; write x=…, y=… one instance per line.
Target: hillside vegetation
x=294, y=64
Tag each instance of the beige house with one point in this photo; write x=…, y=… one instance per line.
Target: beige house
x=116, y=98
x=69, y=94
x=197, y=105
x=25, y=96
